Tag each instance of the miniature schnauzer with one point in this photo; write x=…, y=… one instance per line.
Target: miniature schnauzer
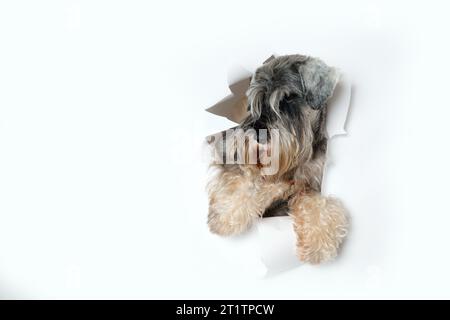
x=282, y=150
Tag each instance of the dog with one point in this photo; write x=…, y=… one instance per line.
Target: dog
x=281, y=146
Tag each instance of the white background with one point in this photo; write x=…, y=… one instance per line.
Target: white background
x=101, y=123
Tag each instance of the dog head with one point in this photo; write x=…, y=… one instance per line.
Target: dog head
x=287, y=97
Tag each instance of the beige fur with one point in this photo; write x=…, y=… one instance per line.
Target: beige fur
x=237, y=197
x=321, y=225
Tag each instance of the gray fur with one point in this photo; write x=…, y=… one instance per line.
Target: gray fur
x=308, y=78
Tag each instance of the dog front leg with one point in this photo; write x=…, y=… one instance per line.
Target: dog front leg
x=237, y=198
x=320, y=224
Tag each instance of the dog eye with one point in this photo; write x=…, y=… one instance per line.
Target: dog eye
x=290, y=97
x=287, y=102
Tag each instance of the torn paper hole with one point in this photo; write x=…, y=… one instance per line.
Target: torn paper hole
x=276, y=236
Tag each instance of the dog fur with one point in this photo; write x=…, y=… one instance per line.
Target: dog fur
x=287, y=95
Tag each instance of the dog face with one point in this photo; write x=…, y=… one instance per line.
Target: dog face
x=289, y=94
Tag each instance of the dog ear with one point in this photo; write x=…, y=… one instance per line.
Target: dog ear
x=318, y=82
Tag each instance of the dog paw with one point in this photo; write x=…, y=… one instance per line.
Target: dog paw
x=228, y=224
x=321, y=225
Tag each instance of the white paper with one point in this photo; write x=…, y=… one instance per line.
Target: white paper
x=276, y=238
x=338, y=106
